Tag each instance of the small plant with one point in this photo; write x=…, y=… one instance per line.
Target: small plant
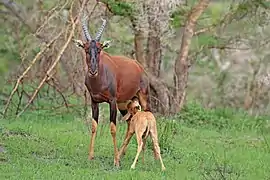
x=221, y=171
x=167, y=133
x=267, y=142
x=194, y=114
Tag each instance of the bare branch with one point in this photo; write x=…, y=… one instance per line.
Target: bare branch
x=27, y=70
x=203, y=30
x=73, y=27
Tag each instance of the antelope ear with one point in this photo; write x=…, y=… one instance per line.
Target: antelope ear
x=126, y=117
x=106, y=44
x=78, y=43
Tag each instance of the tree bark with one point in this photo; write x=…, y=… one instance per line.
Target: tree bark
x=151, y=60
x=153, y=51
x=182, y=62
x=138, y=43
x=161, y=96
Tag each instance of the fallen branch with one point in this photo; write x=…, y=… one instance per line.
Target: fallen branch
x=74, y=23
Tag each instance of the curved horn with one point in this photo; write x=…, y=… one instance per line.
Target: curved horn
x=101, y=29
x=85, y=28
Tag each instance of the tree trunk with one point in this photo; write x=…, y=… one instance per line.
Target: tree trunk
x=159, y=93
x=161, y=96
x=182, y=62
x=138, y=43
x=153, y=51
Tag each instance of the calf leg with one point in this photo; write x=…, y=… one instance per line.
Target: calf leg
x=140, y=145
x=125, y=143
x=126, y=140
x=145, y=135
x=154, y=135
x=95, y=113
x=143, y=148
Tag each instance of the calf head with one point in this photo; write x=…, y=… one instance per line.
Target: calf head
x=133, y=107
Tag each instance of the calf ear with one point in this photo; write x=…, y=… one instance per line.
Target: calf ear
x=126, y=117
x=78, y=43
x=137, y=104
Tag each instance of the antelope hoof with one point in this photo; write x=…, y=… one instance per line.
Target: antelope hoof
x=163, y=168
x=132, y=167
x=116, y=163
x=90, y=157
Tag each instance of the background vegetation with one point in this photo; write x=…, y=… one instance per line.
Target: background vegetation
x=218, y=126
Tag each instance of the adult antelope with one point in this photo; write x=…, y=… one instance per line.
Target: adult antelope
x=111, y=79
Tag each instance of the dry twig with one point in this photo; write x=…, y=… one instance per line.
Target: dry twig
x=27, y=70
x=62, y=50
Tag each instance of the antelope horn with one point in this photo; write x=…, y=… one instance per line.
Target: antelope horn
x=101, y=29
x=85, y=28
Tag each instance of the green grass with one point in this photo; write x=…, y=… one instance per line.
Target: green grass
x=44, y=146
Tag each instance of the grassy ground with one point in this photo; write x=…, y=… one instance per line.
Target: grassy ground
x=40, y=146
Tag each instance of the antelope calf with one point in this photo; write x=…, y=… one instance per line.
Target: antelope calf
x=142, y=123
